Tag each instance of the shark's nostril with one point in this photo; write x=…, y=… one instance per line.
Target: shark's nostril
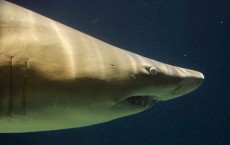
x=176, y=90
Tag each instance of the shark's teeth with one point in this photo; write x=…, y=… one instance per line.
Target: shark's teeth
x=145, y=101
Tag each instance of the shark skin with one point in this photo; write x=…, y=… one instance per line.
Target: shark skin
x=54, y=77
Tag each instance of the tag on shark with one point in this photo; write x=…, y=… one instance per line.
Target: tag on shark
x=54, y=77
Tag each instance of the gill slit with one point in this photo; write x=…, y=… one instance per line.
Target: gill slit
x=10, y=87
x=24, y=88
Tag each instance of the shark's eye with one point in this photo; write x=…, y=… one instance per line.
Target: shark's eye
x=153, y=70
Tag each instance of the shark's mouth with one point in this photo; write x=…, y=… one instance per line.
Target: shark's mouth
x=144, y=101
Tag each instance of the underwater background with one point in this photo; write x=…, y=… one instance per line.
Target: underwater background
x=189, y=33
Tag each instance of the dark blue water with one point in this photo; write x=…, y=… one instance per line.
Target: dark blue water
x=187, y=33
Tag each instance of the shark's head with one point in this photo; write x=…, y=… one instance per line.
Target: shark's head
x=150, y=82
x=131, y=83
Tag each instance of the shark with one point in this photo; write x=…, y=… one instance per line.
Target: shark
x=55, y=77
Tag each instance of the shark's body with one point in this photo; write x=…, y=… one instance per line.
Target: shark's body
x=54, y=77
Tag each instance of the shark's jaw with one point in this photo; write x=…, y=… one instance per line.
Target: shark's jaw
x=145, y=101
x=140, y=101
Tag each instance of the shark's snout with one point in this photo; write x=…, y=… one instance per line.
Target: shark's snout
x=189, y=83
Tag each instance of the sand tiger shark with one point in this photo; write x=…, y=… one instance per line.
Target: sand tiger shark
x=55, y=77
